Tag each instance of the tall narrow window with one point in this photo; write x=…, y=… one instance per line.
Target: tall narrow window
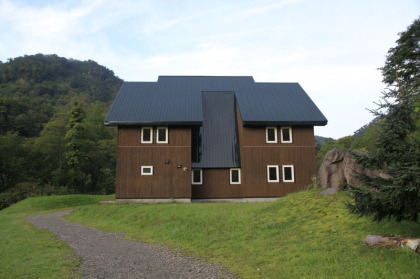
x=162, y=135
x=288, y=173
x=146, y=135
x=235, y=176
x=271, y=135
x=146, y=170
x=273, y=173
x=197, y=176
x=286, y=134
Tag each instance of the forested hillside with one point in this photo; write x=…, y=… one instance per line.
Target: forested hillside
x=33, y=88
x=52, y=135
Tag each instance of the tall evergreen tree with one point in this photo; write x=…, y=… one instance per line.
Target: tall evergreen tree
x=77, y=150
x=402, y=63
x=89, y=151
x=398, y=145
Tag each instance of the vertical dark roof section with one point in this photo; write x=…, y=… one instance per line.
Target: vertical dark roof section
x=219, y=133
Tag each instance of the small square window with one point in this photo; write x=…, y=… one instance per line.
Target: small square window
x=147, y=170
x=273, y=173
x=235, y=176
x=286, y=134
x=288, y=173
x=197, y=176
x=271, y=135
x=146, y=135
x=162, y=135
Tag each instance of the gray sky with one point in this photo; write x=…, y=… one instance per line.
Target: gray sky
x=333, y=48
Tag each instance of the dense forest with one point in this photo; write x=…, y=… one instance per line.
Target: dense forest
x=52, y=137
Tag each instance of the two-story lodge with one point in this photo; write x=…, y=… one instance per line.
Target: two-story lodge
x=213, y=137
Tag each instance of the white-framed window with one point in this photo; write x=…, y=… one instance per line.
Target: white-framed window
x=235, y=176
x=146, y=135
x=288, y=173
x=197, y=176
x=273, y=173
x=286, y=134
x=271, y=134
x=162, y=135
x=146, y=170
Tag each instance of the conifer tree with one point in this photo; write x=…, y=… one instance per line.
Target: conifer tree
x=398, y=145
x=77, y=147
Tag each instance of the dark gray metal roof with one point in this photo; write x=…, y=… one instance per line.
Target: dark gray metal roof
x=177, y=100
x=219, y=146
x=139, y=103
x=278, y=103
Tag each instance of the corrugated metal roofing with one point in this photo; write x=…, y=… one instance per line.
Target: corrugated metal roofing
x=219, y=133
x=139, y=103
x=278, y=103
x=175, y=100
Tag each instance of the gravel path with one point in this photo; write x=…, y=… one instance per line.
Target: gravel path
x=109, y=255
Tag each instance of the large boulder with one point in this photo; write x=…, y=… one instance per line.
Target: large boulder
x=350, y=167
x=331, y=172
x=339, y=168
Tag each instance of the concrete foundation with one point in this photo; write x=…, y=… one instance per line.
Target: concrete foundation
x=237, y=200
x=152, y=200
x=186, y=200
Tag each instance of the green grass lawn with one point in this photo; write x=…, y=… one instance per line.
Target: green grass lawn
x=303, y=235
x=27, y=252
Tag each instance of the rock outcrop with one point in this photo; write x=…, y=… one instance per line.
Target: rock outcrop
x=338, y=168
x=331, y=172
x=393, y=241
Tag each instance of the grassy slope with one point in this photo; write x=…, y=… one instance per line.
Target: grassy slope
x=303, y=235
x=27, y=252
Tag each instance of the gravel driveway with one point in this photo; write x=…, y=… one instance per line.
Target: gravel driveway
x=109, y=255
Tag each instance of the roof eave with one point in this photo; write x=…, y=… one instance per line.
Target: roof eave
x=158, y=123
x=283, y=123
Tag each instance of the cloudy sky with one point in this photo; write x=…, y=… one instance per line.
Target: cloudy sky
x=333, y=48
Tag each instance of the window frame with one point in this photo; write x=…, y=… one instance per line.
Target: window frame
x=290, y=134
x=277, y=173
x=166, y=134
x=201, y=177
x=283, y=173
x=266, y=134
x=146, y=167
x=239, y=176
x=142, y=135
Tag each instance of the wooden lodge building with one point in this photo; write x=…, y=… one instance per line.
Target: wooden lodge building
x=213, y=137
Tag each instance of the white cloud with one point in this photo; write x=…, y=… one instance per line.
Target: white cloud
x=332, y=48
x=212, y=59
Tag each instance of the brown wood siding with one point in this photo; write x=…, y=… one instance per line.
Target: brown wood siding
x=256, y=159
x=130, y=136
x=170, y=181
x=256, y=154
x=301, y=136
x=167, y=180
x=216, y=184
